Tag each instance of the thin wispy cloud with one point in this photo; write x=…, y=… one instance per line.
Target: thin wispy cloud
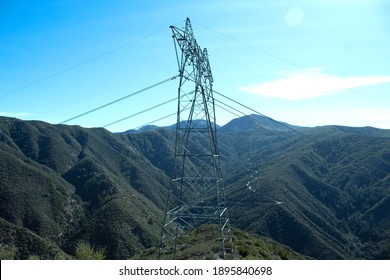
x=347, y=116
x=310, y=83
x=14, y=114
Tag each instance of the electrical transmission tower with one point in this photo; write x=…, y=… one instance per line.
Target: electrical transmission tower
x=196, y=195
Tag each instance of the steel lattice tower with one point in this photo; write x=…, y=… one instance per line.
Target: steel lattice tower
x=196, y=195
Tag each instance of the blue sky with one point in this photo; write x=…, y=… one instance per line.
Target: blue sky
x=307, y=63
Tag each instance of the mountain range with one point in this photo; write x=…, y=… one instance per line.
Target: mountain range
x=322, y=191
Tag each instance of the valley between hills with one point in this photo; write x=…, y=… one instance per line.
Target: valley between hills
x=293, y=192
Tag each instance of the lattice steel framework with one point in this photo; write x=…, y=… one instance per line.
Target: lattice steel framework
x=197, y=194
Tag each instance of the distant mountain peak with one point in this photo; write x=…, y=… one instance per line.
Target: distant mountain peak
x=257, y=122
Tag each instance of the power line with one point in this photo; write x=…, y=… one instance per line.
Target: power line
x=315, y=141
x=310, y=138
x=257, y=112
x=240, y=66
x=252, y=47
x=120, y=99
x=159, y=119
x=264, y=126
x=276, y=58
x=81, y=63
x=369, y=97
x=154, y=121
x=141, y=112
x=103, y=91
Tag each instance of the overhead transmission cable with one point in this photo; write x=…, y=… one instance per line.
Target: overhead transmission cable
x=141, y=112
x=81, y=63
x=252, y=47
x=314, y=140
x=257, y=112
x=264, y=126
x=159, y=119
x=240, y=66
x=154, y=121
x=369, y=97
x=103, y=91
x=279, y=59
x=249, y=184
x=120, y=99
x=269, y=118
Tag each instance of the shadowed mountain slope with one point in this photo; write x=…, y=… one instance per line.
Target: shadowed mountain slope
x=67, y=183
x=315, y=191
x=322, y=191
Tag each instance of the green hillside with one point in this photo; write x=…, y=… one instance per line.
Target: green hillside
x=200, y=245
x=68, y=184
x=324, y=191
x=316, y=191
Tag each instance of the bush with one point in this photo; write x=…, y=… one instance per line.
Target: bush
x=7, y=253
x=84, y=251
